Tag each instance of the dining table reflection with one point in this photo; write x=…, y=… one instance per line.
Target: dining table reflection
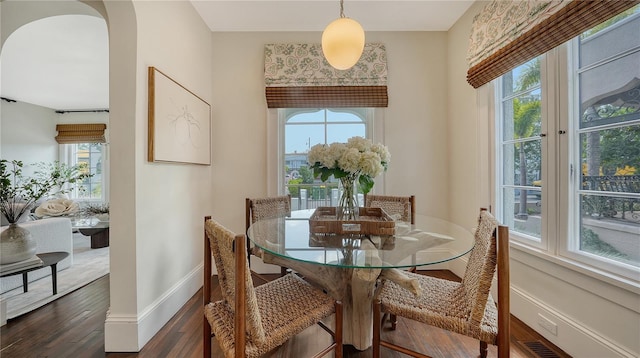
x=348, y=266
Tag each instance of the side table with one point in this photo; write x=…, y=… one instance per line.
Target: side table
x=98, y=230
x=99, y=236
x=48, y=259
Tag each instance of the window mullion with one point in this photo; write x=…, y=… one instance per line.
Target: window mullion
x=499, y=157
x=556, y=154
x=571, y=155
x=549, y=113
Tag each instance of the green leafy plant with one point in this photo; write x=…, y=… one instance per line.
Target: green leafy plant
x=294, y=187
x=18, y=193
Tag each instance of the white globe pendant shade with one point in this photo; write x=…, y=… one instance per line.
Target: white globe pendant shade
x=342, y=43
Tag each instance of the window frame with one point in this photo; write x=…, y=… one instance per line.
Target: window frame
x=546, y=165
x=569, y=242
x=374, y=129
x=69, y=156
x=288, y=113
x=560, y=231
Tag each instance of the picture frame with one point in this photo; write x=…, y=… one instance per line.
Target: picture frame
x=179, y=122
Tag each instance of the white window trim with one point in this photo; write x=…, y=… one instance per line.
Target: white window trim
x=486, y=139
x=274, y=150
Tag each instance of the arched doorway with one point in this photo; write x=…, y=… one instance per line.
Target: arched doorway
x=55, y=71
x=122, y=97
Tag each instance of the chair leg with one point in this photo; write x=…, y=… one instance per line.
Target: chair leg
x=249, y=251
x=483, y=349
x=377, y=326
x=338, y=330
x=206, y=338
x=394, y=321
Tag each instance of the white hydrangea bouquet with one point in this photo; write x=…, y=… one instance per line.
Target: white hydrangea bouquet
x=358, y=159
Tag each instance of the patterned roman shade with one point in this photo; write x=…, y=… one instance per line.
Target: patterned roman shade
x=506, y=34
x=81, y=133
x=298, y=76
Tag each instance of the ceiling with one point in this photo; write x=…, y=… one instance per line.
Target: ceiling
x=61, y=62
x=314, y=15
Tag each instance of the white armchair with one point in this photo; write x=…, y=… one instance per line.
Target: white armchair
x=52, y=234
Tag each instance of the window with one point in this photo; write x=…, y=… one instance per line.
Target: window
x=568, y=124
x=521, y=151
x=605, y=143
x=304, y=128
x=91, y=156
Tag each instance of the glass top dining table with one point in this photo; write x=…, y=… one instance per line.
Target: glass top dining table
x=429, y=241
x=348, y=267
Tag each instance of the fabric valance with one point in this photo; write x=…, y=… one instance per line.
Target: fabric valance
x=298, y=76
x=506, y=34
x=81, y=133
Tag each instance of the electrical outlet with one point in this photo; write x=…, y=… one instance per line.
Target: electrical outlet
x=548, y=324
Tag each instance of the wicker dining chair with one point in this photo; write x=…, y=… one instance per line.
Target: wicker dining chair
x=252, y=321
x=263, y=209
x=402, y=208
x=462, y=307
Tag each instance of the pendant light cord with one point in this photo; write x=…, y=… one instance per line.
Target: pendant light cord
x=342, y=9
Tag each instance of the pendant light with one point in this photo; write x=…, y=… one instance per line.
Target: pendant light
x=343, y=41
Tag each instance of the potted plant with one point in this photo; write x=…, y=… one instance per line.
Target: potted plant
x=18, y=194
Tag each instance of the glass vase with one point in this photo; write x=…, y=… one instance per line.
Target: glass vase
x=348, y=206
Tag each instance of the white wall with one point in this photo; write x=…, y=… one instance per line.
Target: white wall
x=28, y=133
x=462, y=119
x=174, y=197
x=415, y=126
x=595, y=316
x=157, y=257
x=84, y=117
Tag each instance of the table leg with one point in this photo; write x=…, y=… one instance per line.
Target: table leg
x=54, y=278
x=358, y=316
x=354, y=287
x=100, y=239
x=25, y=282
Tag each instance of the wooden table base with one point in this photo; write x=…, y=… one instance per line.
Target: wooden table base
x=354, y=287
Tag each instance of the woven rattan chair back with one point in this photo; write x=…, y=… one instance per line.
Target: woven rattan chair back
x=267, y=208
x=481, y=267
x=400, y=207
x=221, y=241
x=264, y=209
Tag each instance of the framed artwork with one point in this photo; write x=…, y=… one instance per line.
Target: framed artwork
x=179, y=122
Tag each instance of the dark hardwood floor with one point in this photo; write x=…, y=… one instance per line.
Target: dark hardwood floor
x=73, y=326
